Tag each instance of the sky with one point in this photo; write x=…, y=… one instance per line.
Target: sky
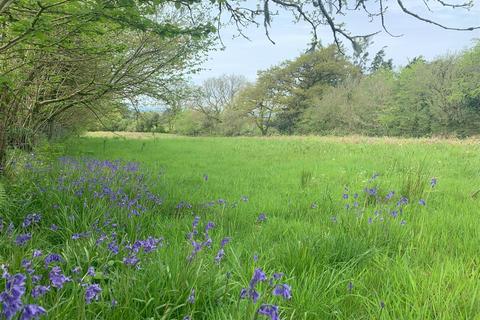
x=246, y=57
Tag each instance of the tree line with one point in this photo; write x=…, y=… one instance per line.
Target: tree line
x=325, y=92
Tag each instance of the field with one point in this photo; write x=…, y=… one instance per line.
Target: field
x=322, y=228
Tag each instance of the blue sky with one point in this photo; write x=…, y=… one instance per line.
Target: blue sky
x=246, y=57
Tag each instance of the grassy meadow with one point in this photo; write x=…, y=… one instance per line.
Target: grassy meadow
x=360, y=228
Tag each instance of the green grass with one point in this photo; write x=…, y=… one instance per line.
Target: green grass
x=427, y=267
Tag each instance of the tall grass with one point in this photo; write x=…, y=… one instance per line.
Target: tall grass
x=348, y=247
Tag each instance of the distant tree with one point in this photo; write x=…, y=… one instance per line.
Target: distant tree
x=216, y=94
x=379, y=62
x=297, y=82
x=259, y=103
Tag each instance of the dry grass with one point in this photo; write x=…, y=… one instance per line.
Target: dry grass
x=354, y=139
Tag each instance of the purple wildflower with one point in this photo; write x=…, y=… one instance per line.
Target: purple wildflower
x=224, y=241
x=258, y=276
x=92, y=293
x=371, y=191
x=11, y=298
x=30, y=219
x=249, y=293
x=91, y=271
x=36, y=278
x=278, y=275
x=196, y=220
x=27, y=265
x=219, y=256
x=208, y=242
x=191, y=297
x=37, y=253
x=244, y=198
x=22, y=239
x=422, y=202
x=113, y=247
x=433, y=182
x=262, y=217
x=210, y=225
x=51, y=258
x=131, y=260
x=54, y=227
x=32, y=311
x=283, y=290
x=269, y=310
x=403, y=200
x=39, y=291
x=57, y=278
x=390, y=195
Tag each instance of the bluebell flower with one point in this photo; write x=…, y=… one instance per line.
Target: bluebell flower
x=36, y=278
x=91, y=271
x=32, y=311
x=52, y=258
x=258, y=276
x=278, y=275
x=403, y=201
x=433, y=182
x=39, y=291
x=390, y=195
x=33, y=218
x=196, y=220
x=11, y=298
x=262, y=217
x=191, y=297
x=283, y=290
x=113, y=247
x=131, y=260
x=220, y=255
x=27, y=265
x=22, y=239
x=37, y=253
x=270, y=311
x=422, y=202
x=210, y=225
x=92, y=292
x=57, y=278
x=224, y=241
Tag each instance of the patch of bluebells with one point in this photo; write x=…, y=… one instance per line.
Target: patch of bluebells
x=275, y=288
x=86, y=179
x=390, y=204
